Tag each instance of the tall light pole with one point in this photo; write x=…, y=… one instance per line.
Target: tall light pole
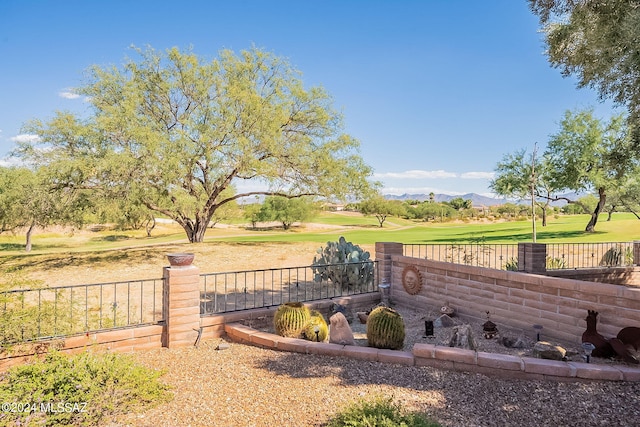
x=533, y=192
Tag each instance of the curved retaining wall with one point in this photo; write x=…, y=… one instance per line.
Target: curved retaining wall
x=444, y=358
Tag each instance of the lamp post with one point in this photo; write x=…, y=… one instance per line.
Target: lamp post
x=588, y=349
x=537, y=328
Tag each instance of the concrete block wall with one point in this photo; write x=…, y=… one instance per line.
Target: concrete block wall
x=139, y=338
x=519, y=300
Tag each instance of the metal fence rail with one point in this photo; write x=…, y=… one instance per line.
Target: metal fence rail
x=30, y=314
x=498, y=256
x=242, y=290
x=589, y=255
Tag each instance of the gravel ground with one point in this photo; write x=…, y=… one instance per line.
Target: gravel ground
x=248, y=386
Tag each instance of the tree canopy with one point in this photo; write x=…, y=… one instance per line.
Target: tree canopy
x=585, y=155
x=598, y=42
x=28, y=199
x=174, y=131
x=380, y=207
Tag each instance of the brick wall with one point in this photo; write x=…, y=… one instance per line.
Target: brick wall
x=518, y=300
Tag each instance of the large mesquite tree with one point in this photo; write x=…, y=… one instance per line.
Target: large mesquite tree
x=598, y=42
x=175, y=131
x=585, y=155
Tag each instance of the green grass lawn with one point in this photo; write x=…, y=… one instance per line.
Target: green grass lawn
x=570, y=229
x=355, y=228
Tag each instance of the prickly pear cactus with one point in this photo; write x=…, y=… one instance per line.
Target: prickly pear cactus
x=345, y=264
x=290, y=318
x=316, y=328
x=385, y=329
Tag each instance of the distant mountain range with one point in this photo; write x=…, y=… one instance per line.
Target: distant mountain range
x=476, y=199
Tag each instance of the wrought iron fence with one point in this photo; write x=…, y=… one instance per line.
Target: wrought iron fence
x=30, y=314
x=500, y=256
x=505, y=256
x=242, y=290
x=589, y=255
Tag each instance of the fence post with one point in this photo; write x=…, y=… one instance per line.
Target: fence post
x=636, y=252
x=384, y=251
x=181, y=305
x=532, y=258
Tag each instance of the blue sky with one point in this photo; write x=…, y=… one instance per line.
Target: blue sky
x=436, y=91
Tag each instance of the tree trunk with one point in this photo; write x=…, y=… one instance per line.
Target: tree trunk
x=544, y=216
x=151, y=224
x=27, y=246
x=195, y=230
x=591, y=226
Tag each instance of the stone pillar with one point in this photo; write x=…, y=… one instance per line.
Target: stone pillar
x=532, y=258
x=181, y=301
x=636, y=252
x=384, y=251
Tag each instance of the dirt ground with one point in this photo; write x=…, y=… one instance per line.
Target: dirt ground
x=148, y=262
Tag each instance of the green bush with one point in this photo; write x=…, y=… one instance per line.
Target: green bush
x=379, y=412
x=511, y=264
x=85, y=389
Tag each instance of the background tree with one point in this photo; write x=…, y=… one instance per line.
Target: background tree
x=625, y=196
x=597, y=41
x=585, y=155
x=459, y=203
x=252, y=213
x=514, y=180
x=287, y=210
x=588, y=155
x=433, y=211
x=176, y=131
x=30, y=199
x=381, y=208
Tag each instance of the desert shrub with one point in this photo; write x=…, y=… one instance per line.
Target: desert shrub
x=556, y=263
x=511, y=264
x=617, y=256
x=379, y=412
x=85, y=389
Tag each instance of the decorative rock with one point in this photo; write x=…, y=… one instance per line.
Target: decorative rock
x=222, y=346
x=462, y=336
x=340, y=332
x=339, y=308
x=443, y=321
x=546, y=350
x=446, y=309
x=511, y=342
x=363, y=316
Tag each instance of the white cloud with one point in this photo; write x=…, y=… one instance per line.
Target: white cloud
x=25, y=137
x=68, y=95
x=418, y=190
x=477, y=175
x=416, y=174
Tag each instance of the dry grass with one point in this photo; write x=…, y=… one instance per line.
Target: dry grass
x=147, y=262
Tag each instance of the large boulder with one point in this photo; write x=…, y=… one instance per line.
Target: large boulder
x=547, y=350
x=339, y=330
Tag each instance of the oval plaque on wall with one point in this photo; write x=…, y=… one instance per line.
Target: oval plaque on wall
x=411, y=279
